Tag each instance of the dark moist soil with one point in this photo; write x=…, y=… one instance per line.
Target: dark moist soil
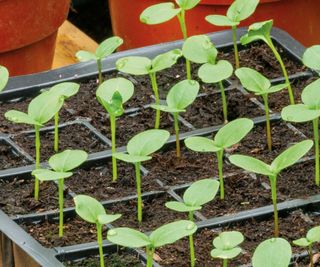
x=9, y=158
x=306, y=128
x=73, y=136
x=207, y=111
x=292, y=226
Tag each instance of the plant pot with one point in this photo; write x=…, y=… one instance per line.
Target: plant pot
x=125, y=15
x=28, y=31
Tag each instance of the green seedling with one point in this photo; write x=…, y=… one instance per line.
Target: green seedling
x=261, y=31
x=112, y=94
x=311, y=58
x=61, y=164
x=4, y=77
x=198, y=194
x=139, y=149
x=159, y=13
x=105, y=49
x=40, y=110
x=237, y=12
x=273, y=252
x=164, y=235
x=227, y=136
x=309, y=110
x=255, y=82
x=287, y=158
x=92, y=211
x=179, y=98
x=199, y=49
x=227, y=246
x=136, y=65
x=312, y=237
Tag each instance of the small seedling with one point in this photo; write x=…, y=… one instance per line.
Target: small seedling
x=164, y=235
x=139, y=149
x=261, y=31
x=287, y=158
x=273, y=252
x=309, y=110
x=136, y=65
x=4, y=77
x=61, y=164
x=40, y=110
x=179, y=98
x=227, y=136
x=237, y=12
x=112, y=94
x=159, y=13
x=227, y=246
x=312, y=237
x=199, y=49
x=255, y=82
x=198, y=194
x=311, y=58
x=105, y=49
x=92, y=211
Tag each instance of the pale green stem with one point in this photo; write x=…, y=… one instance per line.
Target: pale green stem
x=150, y=252
x=56, y=132
x=113, y=147
x=156, y=94
x=176, y=128
x=36, y=184
x=236, y=52
x=138, y=184
x=310, y=255
x=61, y=187
x=315, y=123
x=225, y=263
x=220, y=166
x=273, y=181
x=99, y=236
x=266, y=108
x=99, y=65
x=224, y=102
x=191, y=244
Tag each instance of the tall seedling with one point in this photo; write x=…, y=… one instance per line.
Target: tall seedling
x=159, y=13
x=237, y=12
x=112, y=94
x=261, y=31
x=227, y=136
x=136, y=65
x=105, y=49
x=139, y=149
x=4, y=77
x=255, y=82
x=287, y=158
x=61, y=164
x=199, y=49
x=179, y=98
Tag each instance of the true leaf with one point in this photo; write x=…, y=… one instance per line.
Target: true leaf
x=220, y=20
x=213, y=73
x=257, y=31
x=311, y=57
x=4, y=77
x=128, y=237
x=67, y=160
x=165, y=60
x=159, y=13
x=108, y=46
x=251, y=164
x=134, y=65
x=242, y=9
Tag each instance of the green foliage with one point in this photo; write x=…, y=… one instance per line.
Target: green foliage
x=258, y=31
x=4, y=77
x=227, y=245
x=313, y=236
x=311, y=57
x=187, y=4
x=65, y=89
x=159, y=13
x=214, y=73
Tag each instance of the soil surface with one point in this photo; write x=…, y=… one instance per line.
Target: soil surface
x=10, y=158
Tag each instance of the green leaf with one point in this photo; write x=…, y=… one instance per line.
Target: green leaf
x=299, y=113
x=131, y=158
x=147, y=142
x=66, y=89
x=201, y=192
x=67, y=160
x=220, y=20
x=181, y=207
x=302, y=242
x=228, y=240
x=134, y=65
x=128, y=237
x=20, y=117
x=88, y=208
x=311, y=95
x=251, y=164
x=108, y=218
x=258, y=31
x=108, y=46
x=213, y=73
x=166, y=60
x=171, y=232
x=187, y=4
x=114, y=105
x=159, y=13
x=84, y=56
x=225, y=254
x=277, y=88
x=232, y=133
x=167, y=108
x=313, y=234
x=242, y=9
x=311, y=57
x=291, y=155
x=199, y=49
x=201, y=144
x=48, y=175
x=274, y=252
x=4, y=77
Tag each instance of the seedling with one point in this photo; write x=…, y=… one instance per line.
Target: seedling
x=164, y=235
x=199, y=49
x=237, y=12
x=139, y=149
x=159, y=13
x=311, y=58
x=227, y=136
x=136, y=65
x=4, y=77
x=287, y=158
x=92, y=211
x=198, y=194
x=61, y=164
x=255, y=82
x=105, y=49
x=179, y=98
x=312, y=237
x=112, y=94
x=273, y=252
x=309, y=110
x=40, y=110
x=227, y=246
x=261, y=31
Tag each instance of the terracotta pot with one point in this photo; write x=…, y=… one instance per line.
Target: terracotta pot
x=28, y=31
x=299, y=18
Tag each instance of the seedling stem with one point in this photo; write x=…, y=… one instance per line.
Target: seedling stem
x=310, y=255
x=36, y=184
x=56, y=132
x=150, y=252
x=138, y=182
x=236, y=53
x=156, y=94
x=225, y=263
x=224, y=102
x=273, y=182
x=99, y=235
x=113, y=147
x=61, y=187
x=99, y=64
x=220, y=164
x=266, y=108
x=176, y=128
x=191, y=244
x=315, y=123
